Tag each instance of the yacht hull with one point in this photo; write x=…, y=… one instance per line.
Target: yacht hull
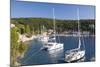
x=54, y=47
x=72, y=57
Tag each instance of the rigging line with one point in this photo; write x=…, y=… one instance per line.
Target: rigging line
x=30, y=51
x=32, y=55
x=54, y=23
x=58, y=37
x=78, y=27
x=33, y=51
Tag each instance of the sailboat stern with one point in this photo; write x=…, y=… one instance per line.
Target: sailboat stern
x=74, y=56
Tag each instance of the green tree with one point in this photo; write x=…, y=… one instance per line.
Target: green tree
x=14, y=45
x=27, y=29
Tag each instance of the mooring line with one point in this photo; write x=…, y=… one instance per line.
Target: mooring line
x=33, y=55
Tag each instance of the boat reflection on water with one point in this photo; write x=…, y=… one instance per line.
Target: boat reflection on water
x=56, y=52
x=56, y=56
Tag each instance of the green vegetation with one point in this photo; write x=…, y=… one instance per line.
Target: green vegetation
x=34, y=26
x=14, y=45
x=17, y=48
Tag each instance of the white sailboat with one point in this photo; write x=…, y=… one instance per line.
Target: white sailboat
x=43, y=37
x=54, y=45
x=77, y=53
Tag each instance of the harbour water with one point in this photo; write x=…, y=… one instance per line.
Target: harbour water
x=35, y=56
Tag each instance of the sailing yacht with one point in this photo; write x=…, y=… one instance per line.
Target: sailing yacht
x=77, y=53
x=54, y=45
x=43, y=37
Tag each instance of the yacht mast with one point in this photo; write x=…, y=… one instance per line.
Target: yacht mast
x=79, y=43
x=54, y=24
